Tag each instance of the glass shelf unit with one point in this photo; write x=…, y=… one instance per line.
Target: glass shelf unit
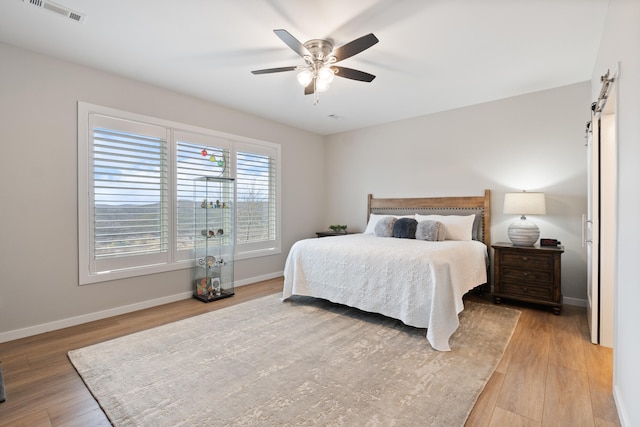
x=215, y=239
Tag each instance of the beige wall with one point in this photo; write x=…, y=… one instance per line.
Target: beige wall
x=38, y=187
x=532, y=142
x=620, y=45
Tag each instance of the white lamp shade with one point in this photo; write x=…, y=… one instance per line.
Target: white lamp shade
x=305, y=77
x=322, y=85
x=524, y=203
x=326, y=74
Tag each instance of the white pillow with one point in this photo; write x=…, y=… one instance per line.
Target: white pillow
x=374, y=218
x=459, y=227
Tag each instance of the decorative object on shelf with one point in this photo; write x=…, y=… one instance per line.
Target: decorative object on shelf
x=212, y=233
x=202, y=288
x=217, y=233
x=338, y=228
x=220, y=162
x=524, y=232
x=208, y=289
x=215, y=286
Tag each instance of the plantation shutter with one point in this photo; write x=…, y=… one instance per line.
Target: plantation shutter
x=256, y=198
x=129, y=195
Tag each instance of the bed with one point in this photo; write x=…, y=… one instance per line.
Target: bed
x=416, y=280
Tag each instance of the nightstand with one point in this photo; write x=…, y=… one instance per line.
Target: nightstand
x=527, y=273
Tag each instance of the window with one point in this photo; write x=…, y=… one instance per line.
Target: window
x=129, y=209
x=256, y=200
x=137, y=198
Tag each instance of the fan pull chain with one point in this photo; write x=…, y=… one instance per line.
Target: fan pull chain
x=315, y=93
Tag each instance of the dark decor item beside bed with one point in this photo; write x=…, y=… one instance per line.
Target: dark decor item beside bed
x=405, y=228
x=419, y=282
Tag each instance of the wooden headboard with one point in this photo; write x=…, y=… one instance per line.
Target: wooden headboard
x=479, y=205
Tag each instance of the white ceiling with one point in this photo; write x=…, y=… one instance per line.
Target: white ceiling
x=433, y=55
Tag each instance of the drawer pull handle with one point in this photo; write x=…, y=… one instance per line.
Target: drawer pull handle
x=524, y=258
x=525, y=273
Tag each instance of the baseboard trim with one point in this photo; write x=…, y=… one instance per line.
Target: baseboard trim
x=98, y=315
x=620, y=406
x=575, y=301
x=257, y=279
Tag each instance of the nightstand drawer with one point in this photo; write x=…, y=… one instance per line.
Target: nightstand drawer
x=541, y=276
x=537, y=261
x=527, y=290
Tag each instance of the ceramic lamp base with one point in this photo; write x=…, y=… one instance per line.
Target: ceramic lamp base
x=523, y=233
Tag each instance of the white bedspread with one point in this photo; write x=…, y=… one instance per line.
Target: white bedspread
x=418, y=282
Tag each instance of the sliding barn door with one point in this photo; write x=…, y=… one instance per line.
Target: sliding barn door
x=601, y=219
x=592, y=240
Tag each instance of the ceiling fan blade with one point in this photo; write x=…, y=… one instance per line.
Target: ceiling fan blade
x=354, y=47
x=310, y=88
x=350, y=73
x=274, y=70
x=292, y=42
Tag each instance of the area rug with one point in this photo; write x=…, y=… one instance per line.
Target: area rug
x=303, y=362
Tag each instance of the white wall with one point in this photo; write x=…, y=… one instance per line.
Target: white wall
x=531, y=142
x=38, y=190
x=621, y=44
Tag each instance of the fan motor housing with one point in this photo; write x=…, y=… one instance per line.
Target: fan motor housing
x=319, y=48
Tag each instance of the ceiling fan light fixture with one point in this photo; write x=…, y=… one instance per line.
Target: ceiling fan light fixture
x=325, y=74
x=319, y=57
x=305, y=77
x=322, y=85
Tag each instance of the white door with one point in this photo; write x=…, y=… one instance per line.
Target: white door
x=601, y=221
x=607, y=224
x=591, y=230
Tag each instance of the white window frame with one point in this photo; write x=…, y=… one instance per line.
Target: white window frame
x=175, y=261
x=133, y=261
x=251, y=250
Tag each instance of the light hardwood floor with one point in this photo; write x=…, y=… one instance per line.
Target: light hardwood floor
x=550, y=375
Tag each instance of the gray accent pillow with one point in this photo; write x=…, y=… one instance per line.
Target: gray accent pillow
x=405, y=228
x=433, y=231
x=384, y=227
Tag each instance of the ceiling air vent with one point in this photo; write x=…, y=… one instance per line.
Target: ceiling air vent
x=54, y=7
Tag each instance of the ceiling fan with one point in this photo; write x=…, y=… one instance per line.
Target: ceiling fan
x=319, y=57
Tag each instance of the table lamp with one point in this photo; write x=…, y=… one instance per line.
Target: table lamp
x=524, y=232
